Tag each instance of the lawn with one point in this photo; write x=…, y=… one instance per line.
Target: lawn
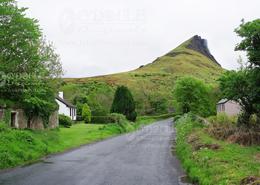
x=209, y=161
x=18, y=147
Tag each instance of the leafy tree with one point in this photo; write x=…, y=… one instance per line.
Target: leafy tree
x=250, y=33
x=29, y=66
x=243, y=86
x=86, y=113
x=192, y=95
x=124, y=103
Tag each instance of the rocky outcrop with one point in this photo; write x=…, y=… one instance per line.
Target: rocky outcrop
x=200, y=45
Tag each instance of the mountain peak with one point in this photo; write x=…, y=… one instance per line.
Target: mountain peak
x=201, y=45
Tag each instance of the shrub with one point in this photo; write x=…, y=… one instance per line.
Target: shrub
x=65, y=120
x=86, y=113
x=224, y=127
x=176, y=118
x=7, y=116
x=124, y=103
x=162, y=116
x=101, y=119
x=118, y=118
x=222, y=118
x=3, y=127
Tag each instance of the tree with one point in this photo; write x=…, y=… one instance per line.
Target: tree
x=29, y=65
x=86, y=113
x=124, y=103
x=192, y=95
x=243, y=85
x=250, y=33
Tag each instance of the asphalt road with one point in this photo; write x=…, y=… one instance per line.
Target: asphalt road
x=140, y=158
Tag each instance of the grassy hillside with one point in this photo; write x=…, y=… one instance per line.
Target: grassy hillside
x=151, y=84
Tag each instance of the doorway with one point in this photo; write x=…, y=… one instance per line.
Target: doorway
x=13, y=119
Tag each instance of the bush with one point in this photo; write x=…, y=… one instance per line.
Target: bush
x=163, y=116
x=65, y=121
x=124, y=103
x=222, y=118
x=3, y=127
x=117, y=118
x=176, y=118
x=111, y=118
x=86, y=113
x=101, y=119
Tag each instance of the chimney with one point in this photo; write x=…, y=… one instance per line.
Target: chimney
x=61, y=95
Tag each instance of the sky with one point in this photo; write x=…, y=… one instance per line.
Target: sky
x=103, y=37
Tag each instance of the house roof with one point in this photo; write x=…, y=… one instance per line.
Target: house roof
x=65, y=102
x=222, y=101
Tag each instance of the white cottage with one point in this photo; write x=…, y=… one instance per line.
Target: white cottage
x=231, y=108
x=65, y=107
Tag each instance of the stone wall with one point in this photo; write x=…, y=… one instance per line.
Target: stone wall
x=54, y=120
x=36, y=123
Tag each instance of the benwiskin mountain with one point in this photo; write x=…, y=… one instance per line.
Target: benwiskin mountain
x=152, y=84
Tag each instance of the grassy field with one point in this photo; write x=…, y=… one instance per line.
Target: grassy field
x=151, y=85
x=209, y=161
x=19, y=147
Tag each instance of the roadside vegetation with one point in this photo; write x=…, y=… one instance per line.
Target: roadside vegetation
x=18, y=147
x=223, y=149
x=211, y=161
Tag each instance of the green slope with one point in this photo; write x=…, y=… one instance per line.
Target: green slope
x=151, y=84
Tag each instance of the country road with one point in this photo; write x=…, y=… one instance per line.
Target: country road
x=139, y=158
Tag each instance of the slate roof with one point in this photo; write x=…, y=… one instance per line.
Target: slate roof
x=65, y=102
x=222, y=101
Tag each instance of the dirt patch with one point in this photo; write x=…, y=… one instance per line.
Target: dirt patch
x=245, y=138
x=233, y=134
x=196, y=143
x=250, y=181
x=185, y=180
x=257, y=157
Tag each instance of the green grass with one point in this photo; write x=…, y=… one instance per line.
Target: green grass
x=225, y=166
x=18, y=147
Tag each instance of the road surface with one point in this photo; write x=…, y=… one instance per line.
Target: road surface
x=139, y=158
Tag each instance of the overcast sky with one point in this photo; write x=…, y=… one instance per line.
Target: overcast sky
x=108, y=36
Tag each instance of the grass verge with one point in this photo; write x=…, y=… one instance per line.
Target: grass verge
x=208, y=161
x=18, y=147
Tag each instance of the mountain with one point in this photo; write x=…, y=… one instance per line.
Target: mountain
x=151, y=84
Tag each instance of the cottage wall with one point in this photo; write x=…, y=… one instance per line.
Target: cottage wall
x=21, y=118
x=63, y=109
x=35, y=123
x=232, y=108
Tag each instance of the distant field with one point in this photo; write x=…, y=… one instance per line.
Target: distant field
x=19, y=147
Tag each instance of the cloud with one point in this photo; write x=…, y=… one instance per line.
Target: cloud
x=101, y=37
